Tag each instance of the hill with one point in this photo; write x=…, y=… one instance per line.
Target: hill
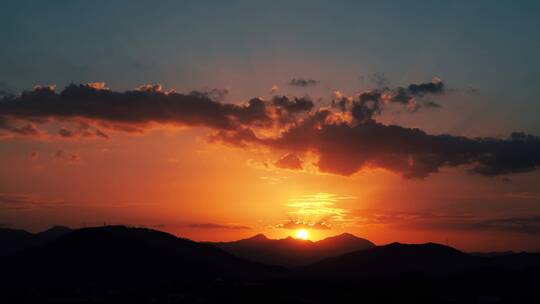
x=14, y=240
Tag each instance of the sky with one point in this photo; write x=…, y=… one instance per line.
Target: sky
x=409, y=121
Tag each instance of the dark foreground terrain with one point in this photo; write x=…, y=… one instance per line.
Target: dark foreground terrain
x=117, y=264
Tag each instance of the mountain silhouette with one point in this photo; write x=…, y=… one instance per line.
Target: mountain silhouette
x=395, y=259
x=406, y=260
x=118, y=264
x=14, y=240
x=293, y=252
x=119, y=253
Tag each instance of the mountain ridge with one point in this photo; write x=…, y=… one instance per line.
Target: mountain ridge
x=291, y=252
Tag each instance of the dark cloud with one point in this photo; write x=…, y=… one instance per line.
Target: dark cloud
x=346, y=137
x=289, y=161
x=345, y=148
x=367, y=105
x=293, y=105
x=434, y=87
x=302, y=82
x=138, y=107
x=409, y=94
x=213, y=94
x=304, y=225
x=218, y=226
x=85, y=111
x=67, y=156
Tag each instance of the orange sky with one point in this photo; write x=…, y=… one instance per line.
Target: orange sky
x=376, y=111
x=177, y=182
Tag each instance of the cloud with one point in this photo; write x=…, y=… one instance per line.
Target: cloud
x=345, y=148
x=292, y=225
x=85, y=111
x=25, y=201
x=345, y=137
x=11, y=127
x=427, y=220
x=67, y=156
x=436, y=86
x=218, y=226
x=139, y=107
x=82, y=130
x=369, y=104
x=289, y=161
x=316, y=211
x=302, y=82
x=293, y=105
x=213, y=94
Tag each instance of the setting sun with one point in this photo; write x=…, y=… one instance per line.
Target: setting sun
x=302, y=234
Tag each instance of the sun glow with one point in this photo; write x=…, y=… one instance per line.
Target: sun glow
x=302, y=234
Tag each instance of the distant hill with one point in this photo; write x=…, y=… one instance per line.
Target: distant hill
x=14, y=240
x=293, y=252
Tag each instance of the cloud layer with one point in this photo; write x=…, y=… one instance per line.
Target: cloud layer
x=217, y=226
x=416, y=220
x=345, y=137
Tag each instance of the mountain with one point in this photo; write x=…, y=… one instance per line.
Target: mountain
x=408, y=260
x=54, y=232
x=122, y=252
x=395, y=259
x=293, y=252
x=117, y=264
x=14, y=240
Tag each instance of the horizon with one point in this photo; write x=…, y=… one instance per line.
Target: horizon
x=408, y=122
x=259, y=235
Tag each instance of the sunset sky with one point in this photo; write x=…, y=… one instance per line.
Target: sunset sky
x=218, y=120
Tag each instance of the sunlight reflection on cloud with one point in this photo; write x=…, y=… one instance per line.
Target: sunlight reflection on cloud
x=312, y=209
